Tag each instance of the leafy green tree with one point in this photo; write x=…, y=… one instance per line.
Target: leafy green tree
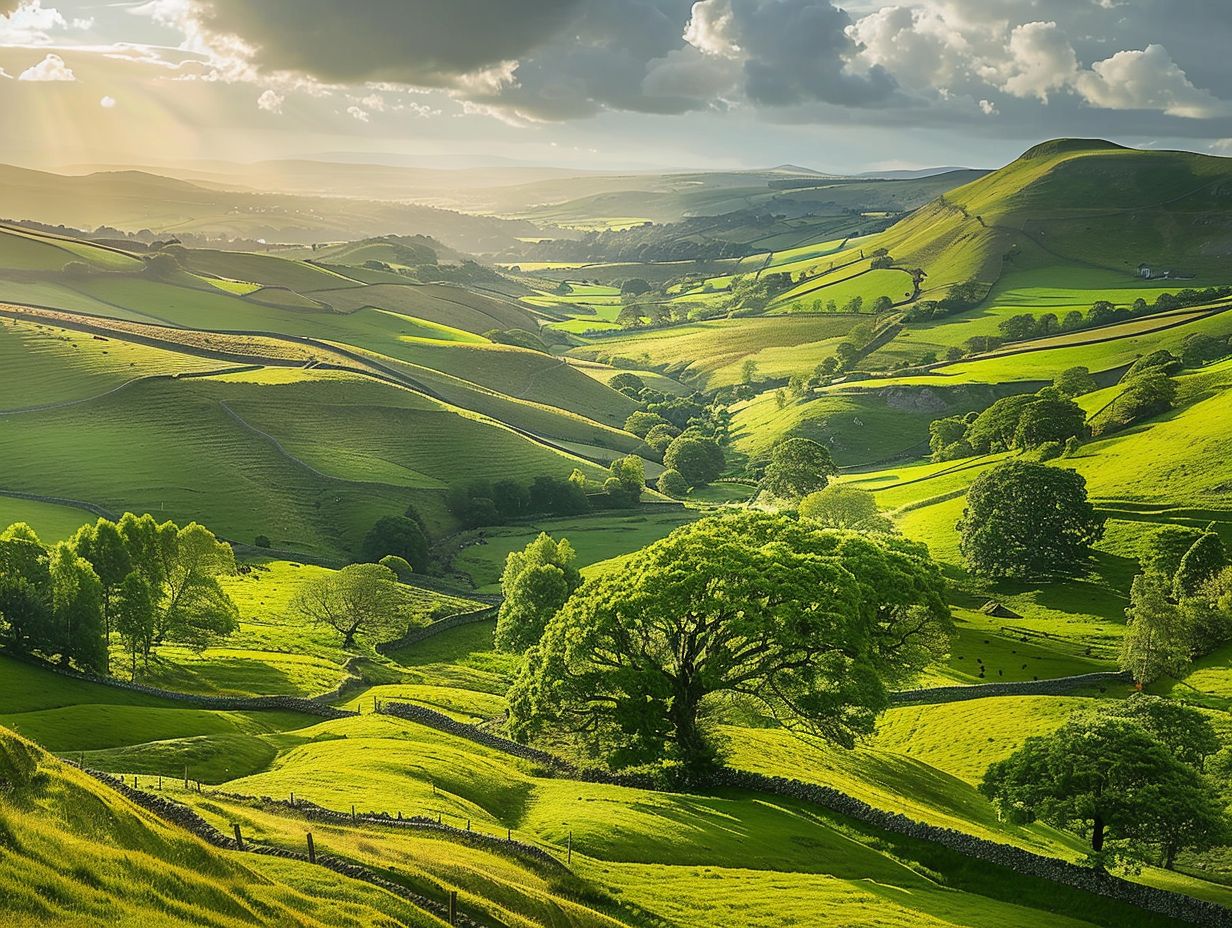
x=400, y=566
x=1075, y=381
x=1162, y=549
x=1049, y=419
x=511, y=499
x=626, y=481
x=626, y=381
x=1110, y=780
x=883, y=304
x=634, y=286
x=1027, y=520
x=814, y=626
x=748, y=371
x=840, y=506
x=398, y=535
x=358, y=600
x=536, y=582
x=1204, y=559
x=25, y=614
x=672, y=484
x=559, y=497
x=798, y=467
x=1183, y=730
x=1157, y=638
x=1148, y=394
x=943, y=434
x=192, y=606
x=1199, y=348
x=640, y=423
x=698, y=460
x=108, y=553
x=659, y=437
x=77, y=610
x=994, y=428
x=134, y=608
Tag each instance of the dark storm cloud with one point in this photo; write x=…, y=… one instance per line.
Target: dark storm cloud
x=432, y=43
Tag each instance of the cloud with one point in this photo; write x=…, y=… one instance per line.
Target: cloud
x=429, y=43
x=792, y=51
x=1041, y=61
x=107, y=103
x=271, y=101
x=51, y=68
x=988, y=108
x=358, y=114
x=1147, y=80
x=28, y=22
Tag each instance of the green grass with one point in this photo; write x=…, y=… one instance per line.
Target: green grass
x=52, y=522
x=711, y=354
x=843, y=285
x=595, y=538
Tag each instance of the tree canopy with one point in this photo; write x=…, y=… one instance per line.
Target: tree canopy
x=813, y=626
x=698, y=460
x=1110, y=779
x=358, y=600
x=841, y=506
x=798, y=467
x=536, y=582
x=398, y=535
x=1027, y=520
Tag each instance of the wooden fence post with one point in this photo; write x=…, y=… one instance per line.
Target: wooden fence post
x=569, y=857
x=353, y=818
x=186, y=776
x=453, y=907
x=312, y=850
x=239, y=839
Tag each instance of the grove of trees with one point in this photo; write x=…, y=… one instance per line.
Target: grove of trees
x=138, y=580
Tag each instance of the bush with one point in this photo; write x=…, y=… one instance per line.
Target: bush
x=672, y=484
x=262, y=541
x=397, y=535
x=698, y=460
x=400, y=567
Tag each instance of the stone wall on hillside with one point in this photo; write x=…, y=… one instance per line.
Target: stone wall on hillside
x=1163, y=902
x=1055, y=686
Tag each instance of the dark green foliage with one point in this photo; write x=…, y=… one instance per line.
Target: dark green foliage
x=1147, y=394
x=1075, y=381
x=814, y=626
x=634, y=286
x=1109, y=778
x=1199, y=348
x=994, y=428
x=1048, y=419
x=1162, y=359
x=628, y=479
x=672, y=484
x=400, y=567
x=1027, y=520
x=557, y=496
x=626, y=381
x=1204, y=559
x=640, y=423
x=262, y=541
x=397, y=535
x=698, y=460
x=536, y=582
x=659, y=437
x=1163, y=548
x=798, y=467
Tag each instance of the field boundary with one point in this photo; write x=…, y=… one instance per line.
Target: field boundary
x=1053, y=686
x=180, y=815
x=1018, y=860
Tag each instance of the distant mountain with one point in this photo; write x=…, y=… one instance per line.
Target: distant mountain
x=132, y=200
x=911, y=175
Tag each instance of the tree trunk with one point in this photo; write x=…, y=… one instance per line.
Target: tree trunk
x=694, y=753
x=1097, y=834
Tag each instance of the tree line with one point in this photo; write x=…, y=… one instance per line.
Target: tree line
x=138, y=581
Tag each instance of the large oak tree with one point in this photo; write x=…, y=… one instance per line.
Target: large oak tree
x=813, y=626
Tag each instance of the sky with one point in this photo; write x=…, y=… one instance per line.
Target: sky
x=607, y=84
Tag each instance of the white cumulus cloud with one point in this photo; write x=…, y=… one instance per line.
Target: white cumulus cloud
x=1147, y=80
x=51, y=68
x=271, y=101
